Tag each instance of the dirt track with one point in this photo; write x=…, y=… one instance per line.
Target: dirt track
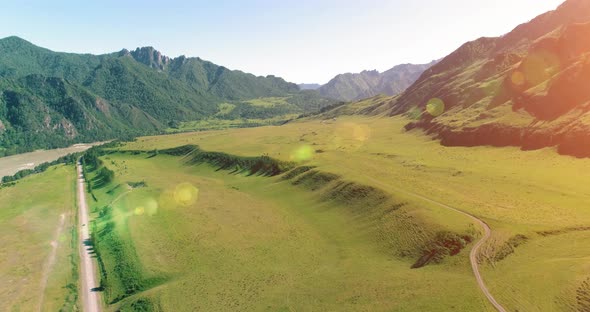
x=474, y=251
x=88, y=281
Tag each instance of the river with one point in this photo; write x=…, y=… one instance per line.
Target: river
x=12, y=164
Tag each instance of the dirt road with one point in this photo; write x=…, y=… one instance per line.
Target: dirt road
x=475, y=265
x=88, y=280
x=474, y=251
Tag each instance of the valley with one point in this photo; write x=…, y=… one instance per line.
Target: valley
x=293, y=250
x=497, y=185
x=174, y=217
x=459, y=184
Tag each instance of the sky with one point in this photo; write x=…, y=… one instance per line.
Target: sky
x=301, y=41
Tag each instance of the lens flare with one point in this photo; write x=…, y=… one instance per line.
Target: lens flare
x=517, y=78
x=186, y=194
x=139, y=211
x=303, y=153
x=539, y=66
x=361, y=132
x=166, y=200
x=151, y=206
x=435, y=107
x=349, y=136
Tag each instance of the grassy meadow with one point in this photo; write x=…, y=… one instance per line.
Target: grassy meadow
x=218, y=124
x=192, y=237
x=534, y=201
x=264, y=111
x=34, y=276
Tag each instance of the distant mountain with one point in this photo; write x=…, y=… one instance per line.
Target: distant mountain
x=309, y=86
x=528, y=88
x=350, y=87
x=50, y=99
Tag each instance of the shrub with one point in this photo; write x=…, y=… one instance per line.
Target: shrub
x=508, y=248
x=444, y=244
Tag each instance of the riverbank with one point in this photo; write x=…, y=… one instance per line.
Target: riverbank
x=12, y=164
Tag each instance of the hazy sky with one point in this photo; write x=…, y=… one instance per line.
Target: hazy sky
x=301, y=41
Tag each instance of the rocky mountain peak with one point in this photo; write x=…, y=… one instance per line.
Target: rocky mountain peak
x=373, y=72
x=150, y=57
x=124, y=52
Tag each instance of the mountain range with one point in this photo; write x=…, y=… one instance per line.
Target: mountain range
x=50, y=99
x=528, y=88
x=368, y=83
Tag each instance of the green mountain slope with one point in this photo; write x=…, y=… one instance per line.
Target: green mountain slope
x=19, y=58
x=51, y=112
x=50, y=99
x=350, y=87
x=528, y=88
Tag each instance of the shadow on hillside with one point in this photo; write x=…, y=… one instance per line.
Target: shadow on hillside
x=99, y=182
x=112, y=190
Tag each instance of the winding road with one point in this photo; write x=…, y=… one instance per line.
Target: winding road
x=88, y=281
x=474, y=251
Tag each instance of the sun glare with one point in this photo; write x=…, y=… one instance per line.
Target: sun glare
x=186, y=194
x=435, y=107
x=303, y=153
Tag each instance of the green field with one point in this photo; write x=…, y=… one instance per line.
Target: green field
x=38, y=251
x=221, y=124
x=264, y=111
x=458, y=185
x=503, y=186
x=338, y=227
x=269, y=102
x=262, y=243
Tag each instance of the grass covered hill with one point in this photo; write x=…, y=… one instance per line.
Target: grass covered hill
x=527, y=88
x=50, y=99
x=535, y=259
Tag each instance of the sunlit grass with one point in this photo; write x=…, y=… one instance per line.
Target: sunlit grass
x=253, y=242
x=269, y=101
x=516, y=192
x=220, y=124
x=29, y=217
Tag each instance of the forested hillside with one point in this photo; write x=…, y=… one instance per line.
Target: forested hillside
x=50, y=99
